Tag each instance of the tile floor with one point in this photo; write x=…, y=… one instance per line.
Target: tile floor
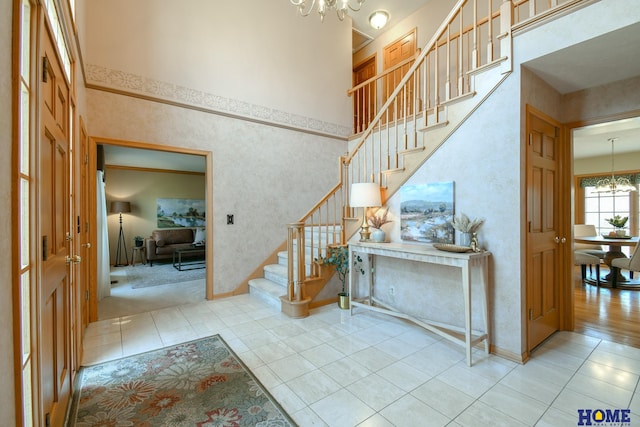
x=333, y=369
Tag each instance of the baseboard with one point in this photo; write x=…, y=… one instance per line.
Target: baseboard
x=509, y=355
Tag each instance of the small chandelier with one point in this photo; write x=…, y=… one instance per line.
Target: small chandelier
x=341, y=7
x=614, y=185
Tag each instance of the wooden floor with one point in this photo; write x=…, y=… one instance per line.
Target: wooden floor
x=609, y=314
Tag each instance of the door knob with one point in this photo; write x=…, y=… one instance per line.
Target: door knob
x=86, y=245
x=75, y=259
x=557, y=239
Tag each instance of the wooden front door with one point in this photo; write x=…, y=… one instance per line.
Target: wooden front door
x=394, y=54
x=545, y=244
x=54, y=231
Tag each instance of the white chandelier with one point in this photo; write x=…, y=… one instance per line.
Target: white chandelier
x=613, y=184
x=341, y=7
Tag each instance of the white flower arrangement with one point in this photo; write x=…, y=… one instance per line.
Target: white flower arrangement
x=466, y=225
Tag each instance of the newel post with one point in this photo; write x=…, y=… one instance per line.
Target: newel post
x=505, y=37
x=295, y=265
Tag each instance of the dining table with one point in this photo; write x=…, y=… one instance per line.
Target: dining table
x=615, y=244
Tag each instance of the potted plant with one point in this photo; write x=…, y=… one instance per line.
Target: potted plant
x=338, y=256
x=618, y=223
x=377, y=221
x=138, y=240
x=466, y=227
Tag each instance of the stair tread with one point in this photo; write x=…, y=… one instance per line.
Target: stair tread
x=268, y=286
x=276, y=269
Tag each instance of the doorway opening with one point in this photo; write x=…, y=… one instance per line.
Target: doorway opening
x=142, y=175
x=603, y=312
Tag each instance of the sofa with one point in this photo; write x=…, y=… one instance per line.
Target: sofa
x=163, y=243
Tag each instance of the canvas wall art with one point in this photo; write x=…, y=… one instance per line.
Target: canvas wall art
x=174, y=213
x=426, y=211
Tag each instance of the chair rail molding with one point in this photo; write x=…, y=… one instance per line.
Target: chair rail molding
x=128, y=84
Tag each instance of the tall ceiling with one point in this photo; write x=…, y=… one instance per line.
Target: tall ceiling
x=567, y=70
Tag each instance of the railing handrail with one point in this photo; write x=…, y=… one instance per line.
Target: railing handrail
x=405, y=79
x=383, y=73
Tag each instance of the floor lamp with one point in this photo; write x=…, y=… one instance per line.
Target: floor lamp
x=121, y=207
x=365, y=195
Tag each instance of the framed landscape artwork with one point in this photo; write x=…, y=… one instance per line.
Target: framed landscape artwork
x=174, y=213
x=426, y=212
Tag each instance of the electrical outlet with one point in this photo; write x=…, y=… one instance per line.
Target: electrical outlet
x=392, y=291
x=229, y=219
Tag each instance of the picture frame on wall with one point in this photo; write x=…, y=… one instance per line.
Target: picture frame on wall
x=177, y=213
x=426, y=212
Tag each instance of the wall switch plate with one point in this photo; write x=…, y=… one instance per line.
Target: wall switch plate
x=229, y=219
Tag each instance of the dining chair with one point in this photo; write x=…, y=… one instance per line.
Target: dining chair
x=587, y=230
x=583, y=259
x=632, y=264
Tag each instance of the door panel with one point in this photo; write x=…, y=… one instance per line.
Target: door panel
x=54, y=226
x=395, y=53
x=545, y=244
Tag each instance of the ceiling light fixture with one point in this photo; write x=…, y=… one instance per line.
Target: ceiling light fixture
x=341, y=7
x=613, y=184
x=378, y=19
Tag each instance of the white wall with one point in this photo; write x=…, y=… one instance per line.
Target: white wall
x=483, y=160
x=266, y=176
x=622, y=162
x=255, y=60
x=253, y=57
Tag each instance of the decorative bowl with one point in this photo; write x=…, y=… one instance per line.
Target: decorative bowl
x=448, y=247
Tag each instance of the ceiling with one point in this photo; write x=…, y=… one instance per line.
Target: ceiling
x=152, y=159
x=397, y=9
x=579, y=67
x=567, y=70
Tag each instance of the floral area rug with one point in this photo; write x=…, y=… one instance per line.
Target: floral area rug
x=199, y=383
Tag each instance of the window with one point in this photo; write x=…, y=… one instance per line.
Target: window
x=600, y=206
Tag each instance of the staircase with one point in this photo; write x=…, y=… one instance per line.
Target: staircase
x=464, y=62
x=273, y=284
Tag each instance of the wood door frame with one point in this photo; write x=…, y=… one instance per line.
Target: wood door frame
x=208, y=155
x=565, y=171
x=567, y=317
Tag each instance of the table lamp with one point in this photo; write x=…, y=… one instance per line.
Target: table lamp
x=365, y=195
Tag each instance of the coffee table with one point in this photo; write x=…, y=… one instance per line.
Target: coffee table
x=189, y=252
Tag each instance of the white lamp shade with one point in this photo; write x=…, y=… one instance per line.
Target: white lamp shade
x=365, y=195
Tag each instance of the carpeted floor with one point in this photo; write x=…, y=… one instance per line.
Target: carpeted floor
x=144, y=276
x=199, y=383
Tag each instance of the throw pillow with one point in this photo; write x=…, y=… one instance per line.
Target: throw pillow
x=160, y=243
x=200, y=236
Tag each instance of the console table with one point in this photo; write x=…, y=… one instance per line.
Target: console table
x=466, y=262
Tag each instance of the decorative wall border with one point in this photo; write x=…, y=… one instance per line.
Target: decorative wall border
x=98, y=77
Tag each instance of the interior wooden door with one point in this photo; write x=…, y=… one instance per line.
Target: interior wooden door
x=395, y=53
x=54, y=231
x=545, y=243
x=364, y=108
